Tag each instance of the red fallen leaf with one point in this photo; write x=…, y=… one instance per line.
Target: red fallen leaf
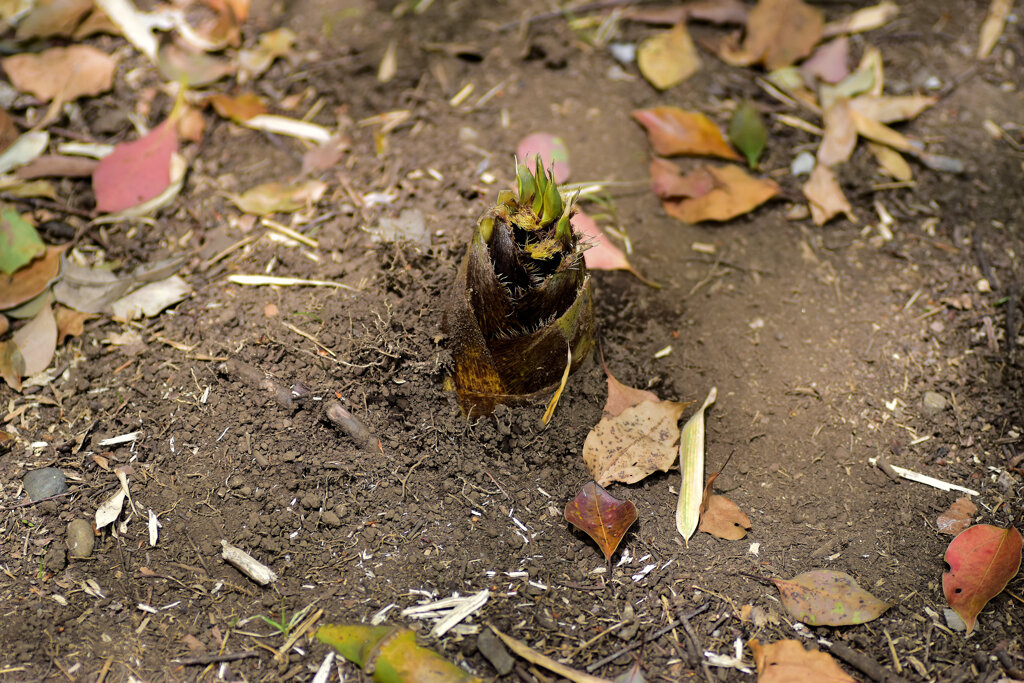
x=785, y=661
x=601, y=254
x=982, y=561
x=957, y=517
x=136, y=171
x=673, y=131
x=603, y=517
x=669, y=183
x=828, y=598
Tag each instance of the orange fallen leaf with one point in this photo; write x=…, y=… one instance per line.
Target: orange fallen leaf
x=70, y=323
x=957, y=517
x=673, y=131
x=631, y=445
x=736, y=192
x=828, y=598
x=786, y=661
x=982, y=560
x=239, y=108
x=721, y=517
x=601, y=516
x=825, y=196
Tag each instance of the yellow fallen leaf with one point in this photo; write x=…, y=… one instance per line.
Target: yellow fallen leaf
x=891, y=162
x=668, y=58
x=992, y=27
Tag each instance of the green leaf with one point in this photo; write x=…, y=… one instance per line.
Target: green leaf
x=19, y=241
x=527, y=185
x=747, y=132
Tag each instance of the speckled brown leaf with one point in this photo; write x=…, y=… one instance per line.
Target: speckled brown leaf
x=603, y=517
x=634, y=443
x=828, y=598
x=786, y=661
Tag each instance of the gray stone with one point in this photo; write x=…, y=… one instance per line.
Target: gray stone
x=953, y=620
x=494, y=651
x=45, y=482
x=410, y=226
x=81, y=538
x=933, y=403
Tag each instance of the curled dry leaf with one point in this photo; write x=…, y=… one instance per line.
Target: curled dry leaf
x=891, y=162
x=825, y=196
x=64, y=73
x=601, y=254
x=840, y=136
x=890, y=109
x=786, y=661
x=601, y=516
x=862, y=20
x=70, y=323
x=674, y=131
x=992, y=27
x=37, y=341
x=828, y=598
x=957, y=517
x=278, y=197
x=691, y=469
x=982, y=560
x=735, y=193
x=668, y=58
x=631, y=445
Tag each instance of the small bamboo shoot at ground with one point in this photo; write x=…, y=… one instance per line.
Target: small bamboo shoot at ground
x=521, y=295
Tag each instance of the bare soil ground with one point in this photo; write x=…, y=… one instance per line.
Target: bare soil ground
x=821, y=342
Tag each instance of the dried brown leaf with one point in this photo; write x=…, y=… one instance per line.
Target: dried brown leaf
x=786, y=661
x=675, y=131
x=825, y=196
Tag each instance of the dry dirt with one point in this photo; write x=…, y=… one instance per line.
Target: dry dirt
x=821, y=342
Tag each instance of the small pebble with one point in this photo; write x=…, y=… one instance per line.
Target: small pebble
x=45, y=482
x=494, y=651
x=933, y=403
x=81, y=538
x=953, y=620
x=802, y=164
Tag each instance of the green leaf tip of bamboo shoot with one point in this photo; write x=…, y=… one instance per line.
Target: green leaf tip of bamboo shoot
x=541, y=179
x=526, y=184
x=552, y=204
